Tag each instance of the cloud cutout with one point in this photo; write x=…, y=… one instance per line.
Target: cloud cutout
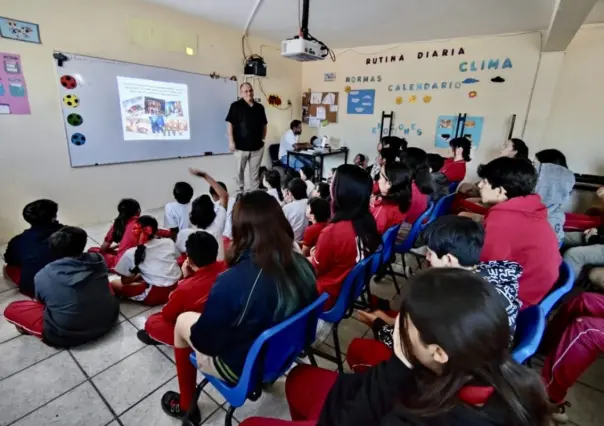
x=498, y=79
x=470, y=81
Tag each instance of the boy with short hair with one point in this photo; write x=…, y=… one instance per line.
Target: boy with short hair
x=74, y=303
x=28, y=252
x=318, y=213
x=516, y=226
x=200, y=271
x=295, y=209
x=176, y=213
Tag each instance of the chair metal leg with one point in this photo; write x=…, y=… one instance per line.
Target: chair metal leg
x=336, y=344
x=228, y=419
x=311, y=358
x=394, y=281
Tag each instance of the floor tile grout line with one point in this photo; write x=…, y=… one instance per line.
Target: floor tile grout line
x=89, y=380
x=117, y=362
x=146, y=396
x=591, y=387
x=31, y=365
x=8, y=340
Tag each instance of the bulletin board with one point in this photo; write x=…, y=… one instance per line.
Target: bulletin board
x=318, y=107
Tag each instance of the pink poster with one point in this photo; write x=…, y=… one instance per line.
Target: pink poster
x=13, y=92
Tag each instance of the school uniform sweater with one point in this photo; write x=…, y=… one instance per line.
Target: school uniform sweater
x=371, y=398
x=454, y=171
x=419, y=204
x=386, y=214
x=517, y=230
x=242, y=304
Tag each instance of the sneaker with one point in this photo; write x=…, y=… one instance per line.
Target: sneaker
x=559, y=416
x=144, y=337
x=170, y=403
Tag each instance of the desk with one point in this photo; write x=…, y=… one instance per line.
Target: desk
x=319, y=154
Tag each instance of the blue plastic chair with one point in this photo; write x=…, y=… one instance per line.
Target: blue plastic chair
x=442, y=207
x=419, y=225
x=351, y=289
x=384, y=260
x=565, y=283
x=453, y=187
x=271, y=355
x=530, y=326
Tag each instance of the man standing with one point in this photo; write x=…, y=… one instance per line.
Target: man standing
x=289, y=142
x=246, y=127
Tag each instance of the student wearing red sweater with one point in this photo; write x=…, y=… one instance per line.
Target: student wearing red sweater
x=421, y=188
x=199, y=271
x=390, y=207
x=318, y=213
x=351, y=233
x=516, y=227
x=455, y=167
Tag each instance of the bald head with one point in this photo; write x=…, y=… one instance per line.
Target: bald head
x=246, y=91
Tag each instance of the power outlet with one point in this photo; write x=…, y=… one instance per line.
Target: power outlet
x=289, y=102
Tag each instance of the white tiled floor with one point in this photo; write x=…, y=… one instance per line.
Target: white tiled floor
x=118, y=381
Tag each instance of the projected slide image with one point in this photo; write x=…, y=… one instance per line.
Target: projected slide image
x=153, y=110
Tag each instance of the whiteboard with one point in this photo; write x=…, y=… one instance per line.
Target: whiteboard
x=120, y=112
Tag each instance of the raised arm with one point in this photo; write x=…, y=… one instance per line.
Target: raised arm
x=222, y=194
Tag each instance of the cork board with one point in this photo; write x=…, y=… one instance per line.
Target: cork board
x=320, y=106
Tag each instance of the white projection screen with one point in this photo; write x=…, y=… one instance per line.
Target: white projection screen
x=120, y=112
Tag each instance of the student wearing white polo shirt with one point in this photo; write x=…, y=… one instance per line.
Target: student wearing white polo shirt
x=176, y=213
x=295, y=209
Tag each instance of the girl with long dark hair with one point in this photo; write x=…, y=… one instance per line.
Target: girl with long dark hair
x=455, y=167
x=272, y=180
x=120, y=236
x=351, y=233
x=390, y=207
x=422, y=187
x=451, y=366
x=150, y=271
x=266, y=283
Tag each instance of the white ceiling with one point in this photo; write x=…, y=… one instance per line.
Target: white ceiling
x=349, y=23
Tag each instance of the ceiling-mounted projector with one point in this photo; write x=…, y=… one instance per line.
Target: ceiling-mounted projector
x=303, y=50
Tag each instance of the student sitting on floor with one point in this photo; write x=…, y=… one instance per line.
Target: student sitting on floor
x=121, y=233
x=295, y=208
x=351, y=233
x=272, y=181
x=74, y=303
x=516, y=227
x=307, y=175
x=391, y=205
x=265, y=284
x=149, y=271
x=452, y=242
x=321, y=190
x=454, y=168
x=451, y=366
x=318, y=213
x=199, y=272
x=176, y=213
x=207, y=216
x=28, y=252
x=574, y=339
x=360, y=161
x=216, y=199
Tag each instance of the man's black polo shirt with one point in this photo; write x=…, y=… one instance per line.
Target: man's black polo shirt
x=248, y=125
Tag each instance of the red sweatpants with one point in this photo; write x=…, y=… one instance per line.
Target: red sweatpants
x=13, y=273
x=305, y=405
x=263, y=421
x=156, y=295
x=160, y=329
x=365, y=353
x=27, y=315
x=579, y=330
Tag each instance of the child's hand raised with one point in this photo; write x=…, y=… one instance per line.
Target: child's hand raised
x=197, y=172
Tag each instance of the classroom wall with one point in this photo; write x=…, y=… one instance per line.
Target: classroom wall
x=34, y=160
x=426, y=63
x=573, y=125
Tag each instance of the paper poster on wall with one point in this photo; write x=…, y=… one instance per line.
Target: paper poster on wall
x=447, y=124
x=315, y=98
x=333, y=108
x=361, y=101
x=329, y=99
x=153, y=110
x=321, y=113
x=13, y=90
x=314, y=122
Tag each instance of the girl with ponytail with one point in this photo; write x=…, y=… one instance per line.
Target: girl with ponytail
x=451, y=366
x=422, y=187
x=390, y=207
x=455, y=167
x=120, y=236
x=149, y=271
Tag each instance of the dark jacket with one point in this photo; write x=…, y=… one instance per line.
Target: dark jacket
x=243, y=303
x=440, y=183
x=31, y=252
x=371, y=399
x=79, y=306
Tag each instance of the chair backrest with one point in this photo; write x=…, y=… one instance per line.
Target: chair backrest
x=453, y=187
x=566, y=280
x=388, y=240
x=275, y=350
x=273, y=151
x=416, y=228
x=442, y=207
x=530, y=326
x=351, y=289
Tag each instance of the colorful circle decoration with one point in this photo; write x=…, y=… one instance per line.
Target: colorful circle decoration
x=78, y=139
x=399, y=100
x=412, y=99
x=347, y=89
x=68, y=82
x=427, y=99
x=472, y=94
x=71, y=101
x=75, y=119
